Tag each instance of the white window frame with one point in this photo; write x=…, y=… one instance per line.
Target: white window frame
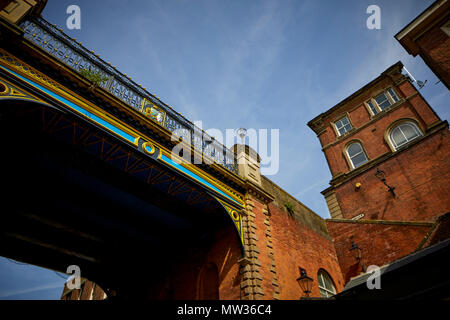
x=337, y=128
x=329, y=291
x=412, y=124
x=391, y=98
x=350, y=157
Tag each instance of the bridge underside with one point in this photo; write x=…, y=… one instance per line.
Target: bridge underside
x=74, y=195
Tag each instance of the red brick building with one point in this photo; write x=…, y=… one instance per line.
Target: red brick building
x=279, y=242
x=428, y=35
x=388, y=153
x=387, y=150
x=366, y=132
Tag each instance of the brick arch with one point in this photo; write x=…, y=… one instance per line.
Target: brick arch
x=208, y=282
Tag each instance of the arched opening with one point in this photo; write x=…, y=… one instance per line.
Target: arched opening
x=208, y=283
x=403, y=133
x=356, y=154
x=326, y=285
x=74, y=200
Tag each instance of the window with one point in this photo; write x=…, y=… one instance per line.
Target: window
x=356, y=154
x=382, y=101
x=343, y=125
x=404, y=133
x=393, y=95
x=326, y=285
x=372, y=107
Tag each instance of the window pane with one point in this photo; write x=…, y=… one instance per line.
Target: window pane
x=323, y=293
x=328, y=283
x=384, y=105
x=381, y=98
x=393, y=95
x=356, y=154
x=397, y=137
x=343, y=125
x=354, y=149
x=409, y=131
x=372, y=107
x=321, y=284
x=348, y=127
x=382, y=101
x=326, y=286
x=344, y=121
x=404, y=133
x=359, y=160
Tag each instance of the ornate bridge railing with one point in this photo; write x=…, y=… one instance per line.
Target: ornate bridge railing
x=74, y=55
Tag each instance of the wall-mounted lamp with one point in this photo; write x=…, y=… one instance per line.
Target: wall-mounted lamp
x=358, y=255
x=382, y=177
x=305, y=282
x=358, y=186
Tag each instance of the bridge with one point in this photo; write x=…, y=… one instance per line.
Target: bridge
x=89, y=173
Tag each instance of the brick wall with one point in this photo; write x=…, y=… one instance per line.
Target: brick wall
x=435, y=50
x=88, y=291
x=381, y=242
x=297, y=245
x=420, y=175
x=223, y=252
x=371, y=131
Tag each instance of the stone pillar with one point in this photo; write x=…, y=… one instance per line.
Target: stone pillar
x=248, y=163
x=255, y=280
x=15, y=10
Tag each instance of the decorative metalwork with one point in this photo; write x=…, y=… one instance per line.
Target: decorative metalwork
x=74, y=55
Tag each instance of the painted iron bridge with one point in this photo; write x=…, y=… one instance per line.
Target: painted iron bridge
x=75, y=56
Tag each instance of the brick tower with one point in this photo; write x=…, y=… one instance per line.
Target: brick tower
x=388, y=153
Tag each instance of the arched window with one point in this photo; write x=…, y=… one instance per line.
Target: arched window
x=356, y=154
x=404, y=133
x=326, y=285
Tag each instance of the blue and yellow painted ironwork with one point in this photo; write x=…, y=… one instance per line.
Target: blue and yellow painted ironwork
x=235, y=215
x=76, y=57
x=153, y=112
x=229, y=198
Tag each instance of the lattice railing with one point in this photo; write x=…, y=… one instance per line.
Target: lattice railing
x=77, y=57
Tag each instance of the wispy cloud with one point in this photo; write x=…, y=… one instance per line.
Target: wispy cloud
x=314, y=186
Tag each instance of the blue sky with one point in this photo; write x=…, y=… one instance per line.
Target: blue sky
x=253, y=64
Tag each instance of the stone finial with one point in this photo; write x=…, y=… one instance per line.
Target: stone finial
x=15, y=11
x=248, y=163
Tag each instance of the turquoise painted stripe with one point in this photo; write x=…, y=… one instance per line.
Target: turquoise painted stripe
x=118, y=132
x=149, y=149
x=76, y=107
x=193, y=175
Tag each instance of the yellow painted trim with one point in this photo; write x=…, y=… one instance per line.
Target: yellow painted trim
x=75, y=98
x=148, y=144
x=9, y=93
x=51, y=85
x=222, y=187
x=156, y=107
